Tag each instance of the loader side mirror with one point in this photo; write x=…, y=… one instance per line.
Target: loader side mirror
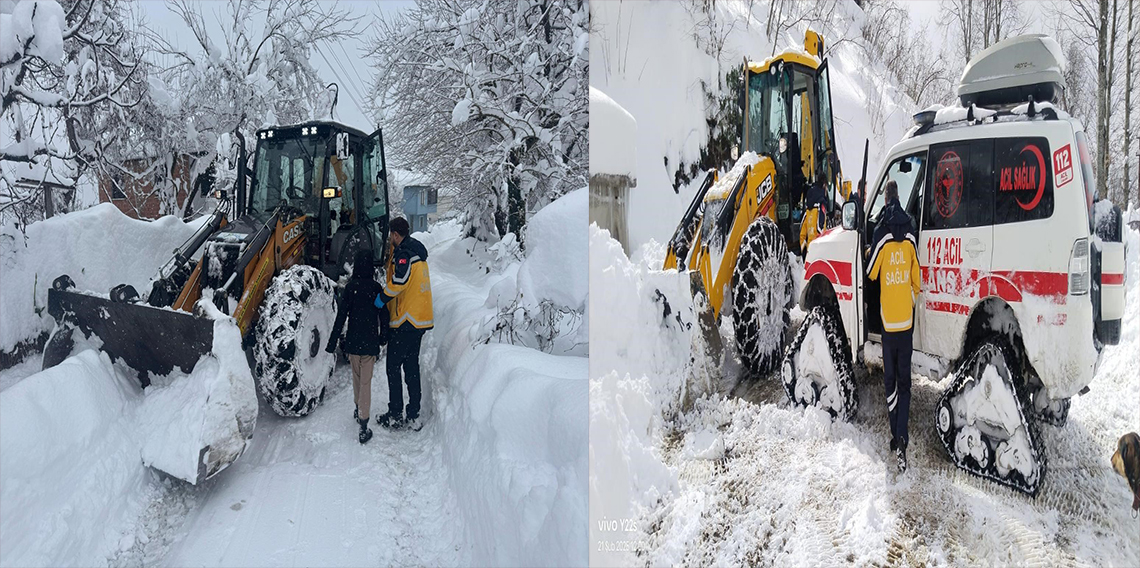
x=849, y=216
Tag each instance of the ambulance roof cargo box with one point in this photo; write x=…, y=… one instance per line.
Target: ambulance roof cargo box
x=1010, y=71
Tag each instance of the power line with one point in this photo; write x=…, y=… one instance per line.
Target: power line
x=361, y=89
x=349, y=89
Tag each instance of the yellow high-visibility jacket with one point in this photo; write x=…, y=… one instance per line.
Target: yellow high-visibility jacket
x=894, y=263
x=407, y=290
x=809, y=227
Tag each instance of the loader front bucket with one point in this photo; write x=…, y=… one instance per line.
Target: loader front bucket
x=195, y=422
x=148, y=339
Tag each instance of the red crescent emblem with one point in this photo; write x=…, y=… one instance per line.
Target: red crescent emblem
x=1041, y=176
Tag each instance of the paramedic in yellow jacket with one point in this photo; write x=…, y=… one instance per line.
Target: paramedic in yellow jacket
x=894, y=262
x=815, y=215
x=407, y=293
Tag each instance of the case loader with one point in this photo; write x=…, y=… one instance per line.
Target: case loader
x=267, y=256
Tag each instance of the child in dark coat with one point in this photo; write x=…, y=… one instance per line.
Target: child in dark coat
x=362, y=341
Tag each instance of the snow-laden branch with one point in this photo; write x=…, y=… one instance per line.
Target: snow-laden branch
x=490, y=96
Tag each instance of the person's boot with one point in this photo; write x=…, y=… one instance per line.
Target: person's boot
x=415, y=424
x=365, y=431
x=390, y=421
x=900, y=453
x=356, y=413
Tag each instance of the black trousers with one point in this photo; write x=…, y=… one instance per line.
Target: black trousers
x=404, y=354
x=897, y=349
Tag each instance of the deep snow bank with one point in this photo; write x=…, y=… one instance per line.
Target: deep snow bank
x=541, y=301
x=75, y=441
x=70, y=476
x=641, y=375
x=557, y=253
x=513, y=418
x=98, y=247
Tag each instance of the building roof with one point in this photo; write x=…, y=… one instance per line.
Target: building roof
x=35, y=174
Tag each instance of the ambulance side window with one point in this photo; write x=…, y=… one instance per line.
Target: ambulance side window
x=1023, y=179
x=907, y=173
x=960, y=186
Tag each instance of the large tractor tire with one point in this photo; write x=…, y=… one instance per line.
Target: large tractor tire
x=761, y=296
x=290, y=362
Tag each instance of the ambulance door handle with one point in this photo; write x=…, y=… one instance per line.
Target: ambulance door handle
x=975, y=247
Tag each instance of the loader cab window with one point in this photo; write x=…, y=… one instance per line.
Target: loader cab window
x=826, y=139
x=374, y=198
x=342, y=174
x=287, y=173
x=767, y=109
x=803, y=118
x=375, y=182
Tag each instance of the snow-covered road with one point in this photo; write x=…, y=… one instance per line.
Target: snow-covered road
x=308, y=494
x=792, y=488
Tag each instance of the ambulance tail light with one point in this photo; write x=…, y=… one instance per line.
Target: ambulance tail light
x=1079, y=277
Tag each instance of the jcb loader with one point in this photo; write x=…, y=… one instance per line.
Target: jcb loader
x=736, y=233
x=317, y=193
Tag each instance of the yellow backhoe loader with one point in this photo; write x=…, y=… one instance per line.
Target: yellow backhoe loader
x=738, y=230
x=269, y=256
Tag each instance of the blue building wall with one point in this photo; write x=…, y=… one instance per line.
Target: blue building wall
x=419, y=201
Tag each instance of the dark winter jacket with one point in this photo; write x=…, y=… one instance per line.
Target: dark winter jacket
x=407, y=292
x=355, y=305
x=894, y=221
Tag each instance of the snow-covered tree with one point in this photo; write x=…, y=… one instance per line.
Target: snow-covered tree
x=489, y=95
x=919, y=70
x=251, y=71
x=64, y=69
x=977, y=24
x=1097, y=28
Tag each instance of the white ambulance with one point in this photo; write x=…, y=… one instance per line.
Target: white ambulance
x=1022, y=273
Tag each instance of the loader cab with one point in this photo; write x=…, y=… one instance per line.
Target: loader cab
x=788, y=118
x=333, y=175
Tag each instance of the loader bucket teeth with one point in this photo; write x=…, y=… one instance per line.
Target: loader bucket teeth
x=149, y=340
x=59, y=346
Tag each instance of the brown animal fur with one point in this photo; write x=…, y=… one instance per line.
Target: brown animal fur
x=1126, y=462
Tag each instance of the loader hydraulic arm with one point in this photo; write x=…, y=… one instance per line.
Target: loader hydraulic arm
x=173, y=275
x=678, y=252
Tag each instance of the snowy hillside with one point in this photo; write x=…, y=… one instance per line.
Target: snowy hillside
x=659, y=80
x=746, y=479
x=496, y=477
